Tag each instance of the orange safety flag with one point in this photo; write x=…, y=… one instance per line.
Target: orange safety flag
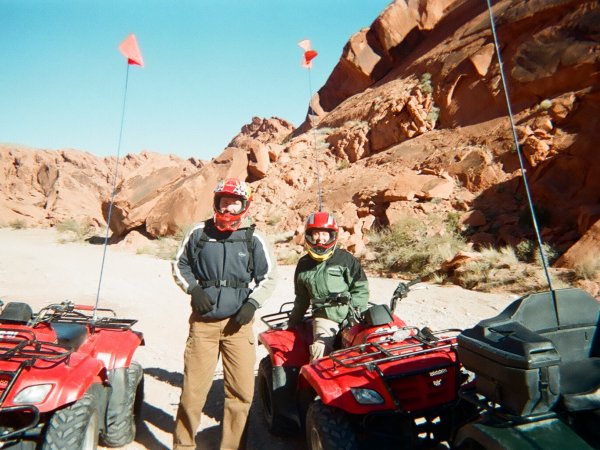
x=309, y=54
x=130, y=50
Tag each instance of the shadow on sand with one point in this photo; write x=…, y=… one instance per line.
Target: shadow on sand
x=209, y=438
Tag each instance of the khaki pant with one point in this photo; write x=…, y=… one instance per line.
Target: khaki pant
x=206, y=341
x=324, y=332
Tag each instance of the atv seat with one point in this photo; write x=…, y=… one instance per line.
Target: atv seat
x=70, y=334
x=580, y=384
x=16, y=312
x=532, y=358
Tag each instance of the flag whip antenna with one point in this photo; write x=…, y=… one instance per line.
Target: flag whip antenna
x=309, y=55
x=129, y=48
x=520, y=155
x=112, y=196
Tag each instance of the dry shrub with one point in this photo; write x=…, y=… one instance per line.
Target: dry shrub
x=18, y=224
x=589, y=268
x=402, y=248
x=501, y=270
x=74, y=231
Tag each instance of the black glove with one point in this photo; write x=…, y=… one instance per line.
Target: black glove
x=245, y=314
x=202, y=303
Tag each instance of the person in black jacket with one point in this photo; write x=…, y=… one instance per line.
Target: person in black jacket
x=228, y=270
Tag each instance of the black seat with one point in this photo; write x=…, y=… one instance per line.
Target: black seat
x=541, y=353
x=580, y=384
x=16, y=312
x=70, y=334
x=574, y=332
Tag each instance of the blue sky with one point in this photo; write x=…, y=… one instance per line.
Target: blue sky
x=210, y=66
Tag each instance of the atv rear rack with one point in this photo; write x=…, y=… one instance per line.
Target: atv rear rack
x=68, y=312
x=374, y=353
x=276, y=321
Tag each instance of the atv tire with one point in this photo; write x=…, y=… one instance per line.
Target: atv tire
x=124, y=405
x=328, y=428
x=277, y=422
x=74, y=427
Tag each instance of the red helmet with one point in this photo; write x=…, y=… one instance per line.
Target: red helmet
x=231, y=187
x=320, y=221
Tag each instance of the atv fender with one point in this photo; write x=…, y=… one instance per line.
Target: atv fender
x=333, y=386
x=288, y=348
x=114, y=347
x=549, y=434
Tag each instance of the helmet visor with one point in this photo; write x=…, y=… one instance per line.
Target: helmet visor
x=320, y=237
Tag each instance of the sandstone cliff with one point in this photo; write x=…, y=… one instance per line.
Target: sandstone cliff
x=412, y=121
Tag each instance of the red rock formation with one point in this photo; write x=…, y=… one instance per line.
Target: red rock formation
x=412, y=121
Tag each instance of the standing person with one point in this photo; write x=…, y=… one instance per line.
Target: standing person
x=323, y=271
x=216, y=263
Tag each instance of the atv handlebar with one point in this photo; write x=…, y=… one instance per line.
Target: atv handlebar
x=401, y=292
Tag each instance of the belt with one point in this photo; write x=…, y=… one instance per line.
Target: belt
x=224, y=283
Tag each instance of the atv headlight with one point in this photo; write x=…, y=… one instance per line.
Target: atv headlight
x=32, y=394
x=367, y=396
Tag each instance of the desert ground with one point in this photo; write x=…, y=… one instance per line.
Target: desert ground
x=36, y=268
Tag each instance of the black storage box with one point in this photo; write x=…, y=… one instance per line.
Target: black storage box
x=516, y=356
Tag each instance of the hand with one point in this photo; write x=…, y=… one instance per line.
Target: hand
x=202, y=303
x=245, y=314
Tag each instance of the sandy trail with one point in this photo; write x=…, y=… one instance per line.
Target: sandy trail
x=36, y=268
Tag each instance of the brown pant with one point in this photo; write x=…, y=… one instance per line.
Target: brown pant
x=324, y=333
x=206, y=341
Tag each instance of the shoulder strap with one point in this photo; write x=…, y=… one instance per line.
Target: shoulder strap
x=249, y=234
x=248, y=239
x=202, y=241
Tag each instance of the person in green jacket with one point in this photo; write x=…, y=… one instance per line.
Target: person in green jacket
x=323, y=271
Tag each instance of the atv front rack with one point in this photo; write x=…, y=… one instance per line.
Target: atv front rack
x=416, y=386
x=387, y=349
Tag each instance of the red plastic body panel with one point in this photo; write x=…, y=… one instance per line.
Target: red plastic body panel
x=359, y=334
x=115, y=348
x=288, y=347
x=71, y=375
x=419, y=381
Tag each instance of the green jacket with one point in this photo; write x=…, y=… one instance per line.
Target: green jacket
x=314, y=281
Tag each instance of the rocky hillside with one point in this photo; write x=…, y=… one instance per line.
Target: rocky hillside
x=411, y=122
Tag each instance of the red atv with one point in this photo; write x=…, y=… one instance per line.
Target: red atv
x=387, y=384
x=67, y=377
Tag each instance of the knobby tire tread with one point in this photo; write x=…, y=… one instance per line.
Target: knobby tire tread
x=66, y=428
x=277, y=423
x=122, y=417
x=333, y=427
